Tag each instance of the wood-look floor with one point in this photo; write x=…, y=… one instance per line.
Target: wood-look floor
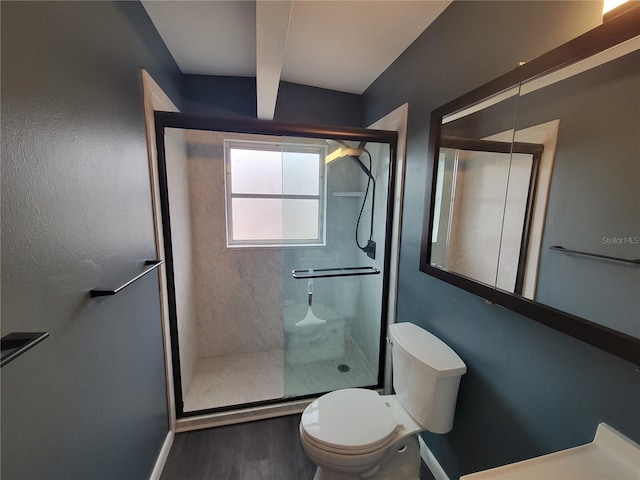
x=261, y=450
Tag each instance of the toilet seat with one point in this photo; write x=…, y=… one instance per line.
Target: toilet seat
x=351, y=421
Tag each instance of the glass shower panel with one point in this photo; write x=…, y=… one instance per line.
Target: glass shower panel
x=333, y=303
x=241, y=212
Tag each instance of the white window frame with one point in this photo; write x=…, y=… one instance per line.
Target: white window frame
x=320, y=149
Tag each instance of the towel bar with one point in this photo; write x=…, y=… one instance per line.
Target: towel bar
x=334, y=272
x=102, y=292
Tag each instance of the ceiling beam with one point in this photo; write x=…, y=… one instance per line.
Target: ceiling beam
x=272, y=24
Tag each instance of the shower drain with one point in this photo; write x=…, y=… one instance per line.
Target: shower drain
x=343, y=367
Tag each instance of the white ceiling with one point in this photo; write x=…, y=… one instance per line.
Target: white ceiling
x=341, y=45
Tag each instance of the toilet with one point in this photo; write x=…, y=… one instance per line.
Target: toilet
x=355, y=433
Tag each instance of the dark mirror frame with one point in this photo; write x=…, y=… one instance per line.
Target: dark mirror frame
x=614, y=31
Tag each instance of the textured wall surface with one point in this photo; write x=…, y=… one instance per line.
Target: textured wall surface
x=90, y=401
x=303, y=104
x=529, y=390
x=225, y=97
x=232, y=97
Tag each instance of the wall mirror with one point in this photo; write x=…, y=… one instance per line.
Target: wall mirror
x=535, y=189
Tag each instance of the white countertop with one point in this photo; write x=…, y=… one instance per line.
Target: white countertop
x=611, y=455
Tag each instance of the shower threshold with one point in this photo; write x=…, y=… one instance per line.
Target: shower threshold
x=241, y=415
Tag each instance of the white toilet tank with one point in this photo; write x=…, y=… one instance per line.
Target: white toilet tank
x=426, y=376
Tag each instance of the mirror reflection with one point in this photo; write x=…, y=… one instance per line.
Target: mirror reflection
x=485, y=197
x=537, y=190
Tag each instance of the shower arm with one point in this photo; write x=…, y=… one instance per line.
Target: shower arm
x=346, y=150
x=362, y=166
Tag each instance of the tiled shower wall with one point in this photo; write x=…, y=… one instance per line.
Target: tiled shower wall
x=240, y=292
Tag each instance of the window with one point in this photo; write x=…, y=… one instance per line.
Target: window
x=275, y=193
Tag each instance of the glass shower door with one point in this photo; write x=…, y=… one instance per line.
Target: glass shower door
x=241, y=211
x=333, y=291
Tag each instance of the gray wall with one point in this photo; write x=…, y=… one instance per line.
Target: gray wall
x=90, y=401
x=225, y=97
x=233, y=97
x=529, y=390
x=304, y=104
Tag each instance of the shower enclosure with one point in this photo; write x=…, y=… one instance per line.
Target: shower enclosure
x=277, y=248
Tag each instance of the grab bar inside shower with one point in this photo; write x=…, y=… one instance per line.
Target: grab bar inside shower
x=333, y=272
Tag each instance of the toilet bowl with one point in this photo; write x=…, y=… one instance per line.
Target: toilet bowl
x=362, y=429
x=357, y=433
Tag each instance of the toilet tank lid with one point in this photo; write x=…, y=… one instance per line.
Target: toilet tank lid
x=428, y=349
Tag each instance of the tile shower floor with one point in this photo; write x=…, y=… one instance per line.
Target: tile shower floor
x=253, y=377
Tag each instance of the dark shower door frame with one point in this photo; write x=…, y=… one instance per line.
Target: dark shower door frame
x=165, y=120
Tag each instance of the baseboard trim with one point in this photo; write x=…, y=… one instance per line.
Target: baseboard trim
x=431, y=461
x=162, y=457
